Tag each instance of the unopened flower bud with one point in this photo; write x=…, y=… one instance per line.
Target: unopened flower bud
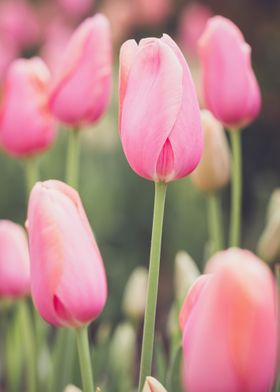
x=269, y=242
x=213, y=171
x=186, y=273
x=152, y=385
x=134, y=299
x=72, y=388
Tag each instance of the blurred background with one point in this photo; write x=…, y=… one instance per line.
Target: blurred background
x=118, y=202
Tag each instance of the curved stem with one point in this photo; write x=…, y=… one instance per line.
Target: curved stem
x=236, y=188
x=31, y=173
x=72, y=166
x=151, y=302
x=215, y=222
x=84, y=357
x=29, y=345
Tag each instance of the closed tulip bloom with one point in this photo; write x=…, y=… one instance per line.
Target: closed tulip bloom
x=230, y=88
x=82, y=84
x=230, y=330
x=213, y=171
x=14, y=261
x=68, y=281
x=153, y=385
x=160, y=125
x=26, y=125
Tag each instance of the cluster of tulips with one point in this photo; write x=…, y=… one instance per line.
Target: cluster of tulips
x=227, y=322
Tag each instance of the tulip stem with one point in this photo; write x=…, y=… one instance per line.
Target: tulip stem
x=215, y=222
x=73, y=153
x=236, y=187
x=29, y=345
x=151, y=301
x=31, y=173
x=84, y=357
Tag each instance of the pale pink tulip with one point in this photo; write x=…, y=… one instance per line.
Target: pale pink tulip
x=160, y=125
x=26, y=125
x=192, y=24
x=14, y=261
x=68, y=281
x=230, y=88
x=230, y=330
x=19, y=22
x=82, y=85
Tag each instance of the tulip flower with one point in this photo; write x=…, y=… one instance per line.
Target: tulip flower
x=231, y=91
x=82, y=83
x=26, y=125
x=153, y=385
x=213, y=171
x=186, y=272
x=160, y=125
x=14, y=261
x=192, y=24
x=230, y=327
x=152, y=12
x=68, y=281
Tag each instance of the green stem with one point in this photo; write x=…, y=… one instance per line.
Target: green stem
x=72, y=168
x=236, y=188
x=215, y=222
x=84, y=357
x=151, y=302
x=31, y=173
x=29, y=345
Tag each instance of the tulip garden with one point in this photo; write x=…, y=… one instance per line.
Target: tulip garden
x=126, y=263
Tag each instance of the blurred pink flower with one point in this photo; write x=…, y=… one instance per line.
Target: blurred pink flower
x=26, y=125
x=159, y=118
x=229, y=320
x=82, y=86
x=9, y=52
x=230, y=89
x=76, y=8
x=68, y=280
x=152, y=12
x=192, y=24
x=19, y=22
x=14, y=260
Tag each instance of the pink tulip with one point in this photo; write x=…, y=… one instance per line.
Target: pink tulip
x=230, y=331
x=82, y=85
x=68, y=281
x=26, y=126
x=19, y=22
x=9, y=53
x=192, y=24
x=160, y=125
x=14, y=260
x=231, y=91
x=76, y=8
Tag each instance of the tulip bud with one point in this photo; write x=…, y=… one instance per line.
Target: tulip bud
x=122, y=355
x=186, y=272
x=134, y=298
x=72, y=388
x=14, y=261
x=269, y=242
x=231, y=91
x=159, y=118
x=83, y=82
x=68, y=281
x=213, y=171
x=230, y=318
x=152, y=385
x=26, y=125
